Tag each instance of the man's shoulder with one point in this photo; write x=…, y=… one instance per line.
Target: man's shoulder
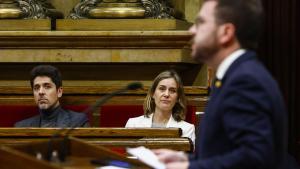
x=74, y=114
x=254, y=72
x=251, y=66
x=76, y=117
x=27, y=122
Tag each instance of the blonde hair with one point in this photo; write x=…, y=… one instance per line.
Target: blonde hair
x=179, y=109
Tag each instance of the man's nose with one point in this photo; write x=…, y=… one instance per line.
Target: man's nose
x=192, y=29
x=41, y=90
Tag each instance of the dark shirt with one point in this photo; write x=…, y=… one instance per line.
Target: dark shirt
x=57, y=117
x=49, y=119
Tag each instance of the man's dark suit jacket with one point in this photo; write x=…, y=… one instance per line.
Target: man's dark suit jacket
x=244, y=126
x=66, y=118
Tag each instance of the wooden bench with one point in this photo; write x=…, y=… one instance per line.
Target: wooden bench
x=108, y=137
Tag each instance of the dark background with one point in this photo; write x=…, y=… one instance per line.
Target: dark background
x=279, y=51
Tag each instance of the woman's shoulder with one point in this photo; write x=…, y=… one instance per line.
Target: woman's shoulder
x=183, y=123
x=139, y=121
x=138, y=117
x=186, y=123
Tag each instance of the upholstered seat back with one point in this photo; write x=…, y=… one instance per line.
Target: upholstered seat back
x=110, y=115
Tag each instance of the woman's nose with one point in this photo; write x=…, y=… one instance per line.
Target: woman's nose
x=167, y=93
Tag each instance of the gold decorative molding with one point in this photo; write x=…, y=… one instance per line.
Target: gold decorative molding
x=94, y=39
x=28, y=9
x=9, y=9
x=158, y=9
x=98, y=55
x=38, y=9
x=121, y=25
x=25, y=25
x=115, y=9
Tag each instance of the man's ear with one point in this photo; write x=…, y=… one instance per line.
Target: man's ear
x=226, y=33
x=59, y=92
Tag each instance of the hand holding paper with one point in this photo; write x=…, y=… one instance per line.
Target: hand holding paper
x=146, y=156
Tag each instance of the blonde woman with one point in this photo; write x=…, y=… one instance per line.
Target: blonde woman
x=165, y=106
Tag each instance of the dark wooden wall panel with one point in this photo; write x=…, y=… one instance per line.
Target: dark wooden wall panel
x=280, y=53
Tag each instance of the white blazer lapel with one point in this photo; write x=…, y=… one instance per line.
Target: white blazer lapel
x=171, y=122
x=148, y=121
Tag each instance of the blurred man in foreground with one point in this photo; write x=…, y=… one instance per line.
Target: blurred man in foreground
x=244, y=126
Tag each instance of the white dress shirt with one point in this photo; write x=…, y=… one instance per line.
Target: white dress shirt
x=188, y=130
x=225, y=64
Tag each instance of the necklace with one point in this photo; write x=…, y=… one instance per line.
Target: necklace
x=156, y=123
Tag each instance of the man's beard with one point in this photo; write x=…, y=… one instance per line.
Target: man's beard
x=204, y=54
x=49, y=108
x=206, y=51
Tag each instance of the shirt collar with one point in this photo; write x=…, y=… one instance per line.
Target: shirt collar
x=50, y=114
x=225, y=64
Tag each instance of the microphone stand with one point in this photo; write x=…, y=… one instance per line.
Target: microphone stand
x=65, y=151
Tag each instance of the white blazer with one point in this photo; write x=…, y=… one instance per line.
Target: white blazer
x=188, y=130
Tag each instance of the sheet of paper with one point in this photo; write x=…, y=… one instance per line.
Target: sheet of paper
x=110, y=167
x=146, y=156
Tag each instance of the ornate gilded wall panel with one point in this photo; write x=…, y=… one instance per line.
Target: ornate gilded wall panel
x=27, y=9
x=160, y=9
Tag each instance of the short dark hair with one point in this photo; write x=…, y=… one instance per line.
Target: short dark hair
x=247, y=17
x=179, y=109
x=46, y=70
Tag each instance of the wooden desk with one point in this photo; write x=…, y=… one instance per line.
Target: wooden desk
x=71, y=153
x=108, y=137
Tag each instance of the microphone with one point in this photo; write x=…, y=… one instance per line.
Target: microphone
x=64, y=149
x=102, y=100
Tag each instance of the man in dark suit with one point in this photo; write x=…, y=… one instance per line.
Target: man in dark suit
x=244, y=126
x=46, y=83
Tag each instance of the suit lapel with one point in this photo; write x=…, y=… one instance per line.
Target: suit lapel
x=216, y=84
x=216, y=89
x=63, y=119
